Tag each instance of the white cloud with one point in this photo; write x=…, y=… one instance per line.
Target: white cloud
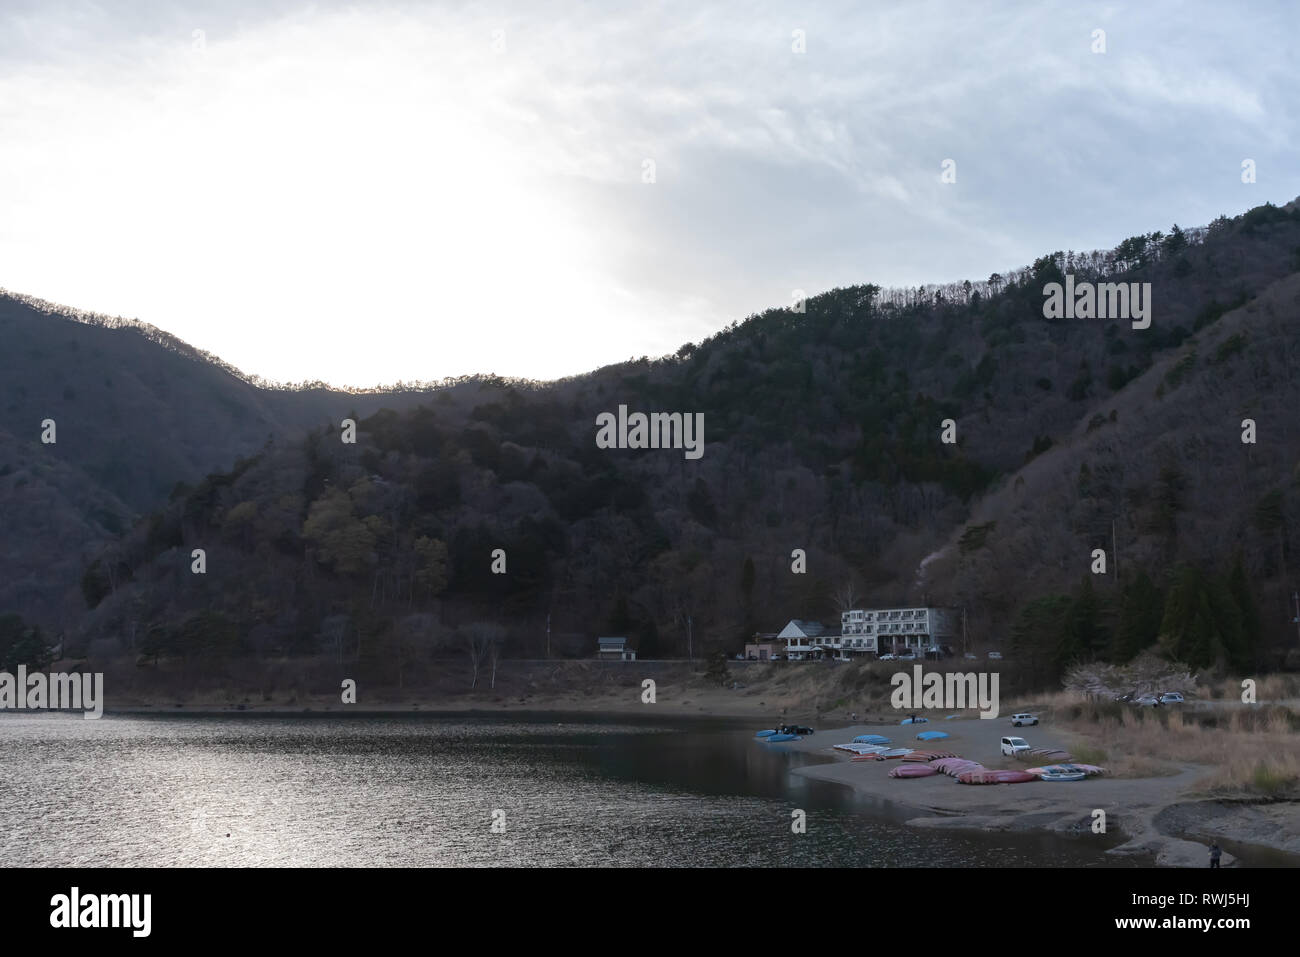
x=375, y=193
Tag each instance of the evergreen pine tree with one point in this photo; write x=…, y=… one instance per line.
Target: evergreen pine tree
x=1140, y=613
x=1243, y=660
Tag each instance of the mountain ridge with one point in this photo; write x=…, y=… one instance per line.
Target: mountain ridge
x=822, y=433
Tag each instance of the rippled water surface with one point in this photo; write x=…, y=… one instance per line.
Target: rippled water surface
x=421, y=790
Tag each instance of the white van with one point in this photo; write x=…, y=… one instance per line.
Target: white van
x=1011, y=746
x=1019, y=719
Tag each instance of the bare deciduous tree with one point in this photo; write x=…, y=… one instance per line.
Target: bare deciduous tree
x=482, y=641
x=845, y=595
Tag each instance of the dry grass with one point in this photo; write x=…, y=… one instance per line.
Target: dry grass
x=1252, y=750
x=1273, y=775
x=1270, y=687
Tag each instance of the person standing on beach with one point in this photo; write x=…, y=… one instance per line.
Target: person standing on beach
x=1215, y=854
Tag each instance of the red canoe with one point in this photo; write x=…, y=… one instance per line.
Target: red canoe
x=912, y=771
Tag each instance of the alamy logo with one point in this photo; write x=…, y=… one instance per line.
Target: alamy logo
x=55, y=691
x=1107, y=300
x=948, y=691
x=658, y=430
x=102, y=910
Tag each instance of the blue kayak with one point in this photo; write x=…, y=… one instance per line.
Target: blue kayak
x=764, y=734
x=932, y=735
x=871, y=739
x=917, y=721
x=782, y=737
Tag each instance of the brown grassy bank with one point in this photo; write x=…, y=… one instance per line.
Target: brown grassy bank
x=1247, y=750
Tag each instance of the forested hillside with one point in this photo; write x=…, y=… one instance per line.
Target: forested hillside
x=134, y=411
x=822, y=432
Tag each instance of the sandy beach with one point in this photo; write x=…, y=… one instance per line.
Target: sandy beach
x=1148, y=812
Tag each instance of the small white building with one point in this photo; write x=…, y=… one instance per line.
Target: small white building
x=614, y=649
x=809, y=639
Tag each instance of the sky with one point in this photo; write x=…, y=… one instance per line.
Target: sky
x=383, y=192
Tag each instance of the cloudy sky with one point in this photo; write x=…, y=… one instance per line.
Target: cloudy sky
x=374, y=192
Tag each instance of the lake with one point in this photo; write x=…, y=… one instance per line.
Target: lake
x=416, y=790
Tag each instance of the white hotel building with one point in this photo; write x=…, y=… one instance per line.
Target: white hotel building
x=874, y=631
x=878, y=631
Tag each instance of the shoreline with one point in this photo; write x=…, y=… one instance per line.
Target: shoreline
x=1162, y=818
x=1149, y=813
x=594, y=706
x=447, y=710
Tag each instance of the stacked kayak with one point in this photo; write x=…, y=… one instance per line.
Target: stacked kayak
x=912, y=771
x=1065, y=772
x=1062, y=776
x=877, y=752
x=871, y=739
x=884, y=755
x=926, y=757
x=1045, y=754
x=1088, y=769
x=860, y=748
x=988, y=776
x=955, y=766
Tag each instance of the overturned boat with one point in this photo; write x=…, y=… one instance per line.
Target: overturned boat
x=1062, y=776
x=912, y=771
x=990, y=776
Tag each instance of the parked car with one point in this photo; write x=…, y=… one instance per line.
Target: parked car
x=1147, y=701
x=1019, y=719
x=1172, y=697
x=1124, y=698
x=888, y=658
x=1011, y=746
x=972, y=657
x=995, y=656
x=908, y=655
